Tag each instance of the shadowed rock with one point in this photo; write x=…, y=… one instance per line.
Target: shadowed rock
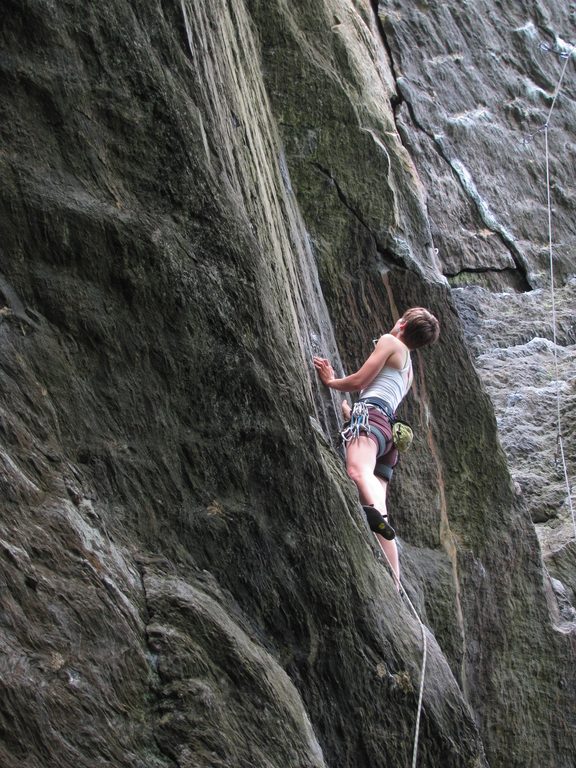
x=196, y=198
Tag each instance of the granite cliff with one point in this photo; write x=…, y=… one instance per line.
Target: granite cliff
x=197, y=197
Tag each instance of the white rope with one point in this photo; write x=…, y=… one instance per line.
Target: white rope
x=424, y=658
x=552, y=293
x=560, y=440
x=422, y=675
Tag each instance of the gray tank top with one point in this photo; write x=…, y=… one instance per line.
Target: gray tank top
x=391, y=384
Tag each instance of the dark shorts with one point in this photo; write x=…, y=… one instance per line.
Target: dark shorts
x=381, y=434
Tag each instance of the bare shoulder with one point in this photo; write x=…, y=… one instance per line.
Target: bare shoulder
x=391, y=342
x=386, y=345
x=387, y=339
x=396, y=350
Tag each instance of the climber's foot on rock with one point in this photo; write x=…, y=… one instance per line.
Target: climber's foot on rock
x=379, y=522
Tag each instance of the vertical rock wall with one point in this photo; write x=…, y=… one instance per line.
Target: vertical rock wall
x=365, y=276
x=197, y=197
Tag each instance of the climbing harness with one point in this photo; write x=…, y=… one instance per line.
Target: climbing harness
x=402, y=434
x=358, y=422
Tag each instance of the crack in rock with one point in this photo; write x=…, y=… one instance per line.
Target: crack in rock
x=384, y=253
x=470, y=190
x=154, y=686
x=463, y=175
x=478, y=271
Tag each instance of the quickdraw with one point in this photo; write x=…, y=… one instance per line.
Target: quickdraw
x=358, y=422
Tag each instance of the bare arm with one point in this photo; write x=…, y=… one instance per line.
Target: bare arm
x=385, y=347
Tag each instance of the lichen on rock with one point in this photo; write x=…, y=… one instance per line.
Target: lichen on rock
x=197, y=197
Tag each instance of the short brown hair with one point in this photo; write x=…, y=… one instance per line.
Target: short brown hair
x=421, y=328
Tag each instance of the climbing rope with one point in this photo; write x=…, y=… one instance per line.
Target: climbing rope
x=566, y=55
x=422, y=674
x=424, y=658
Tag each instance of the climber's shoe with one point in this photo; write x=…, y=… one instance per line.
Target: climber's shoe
x=379, y=523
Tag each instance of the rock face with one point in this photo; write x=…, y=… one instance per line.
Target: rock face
x=477, y=84
x=196, y=198
x=528, y=367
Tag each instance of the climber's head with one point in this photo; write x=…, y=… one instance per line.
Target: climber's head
x=417, y=328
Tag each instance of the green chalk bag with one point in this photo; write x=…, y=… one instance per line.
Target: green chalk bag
x=402, y=436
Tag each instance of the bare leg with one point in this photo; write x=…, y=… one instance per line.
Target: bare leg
x=360, y=463
x=389, y=547
x=391, y=553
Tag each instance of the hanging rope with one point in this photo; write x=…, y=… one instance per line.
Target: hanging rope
x=424, y=658
x=422, y=675
x=567, y=56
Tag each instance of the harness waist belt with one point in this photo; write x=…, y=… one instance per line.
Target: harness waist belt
x=377, y=402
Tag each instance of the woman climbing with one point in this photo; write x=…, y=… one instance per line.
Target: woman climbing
x=382, y=382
